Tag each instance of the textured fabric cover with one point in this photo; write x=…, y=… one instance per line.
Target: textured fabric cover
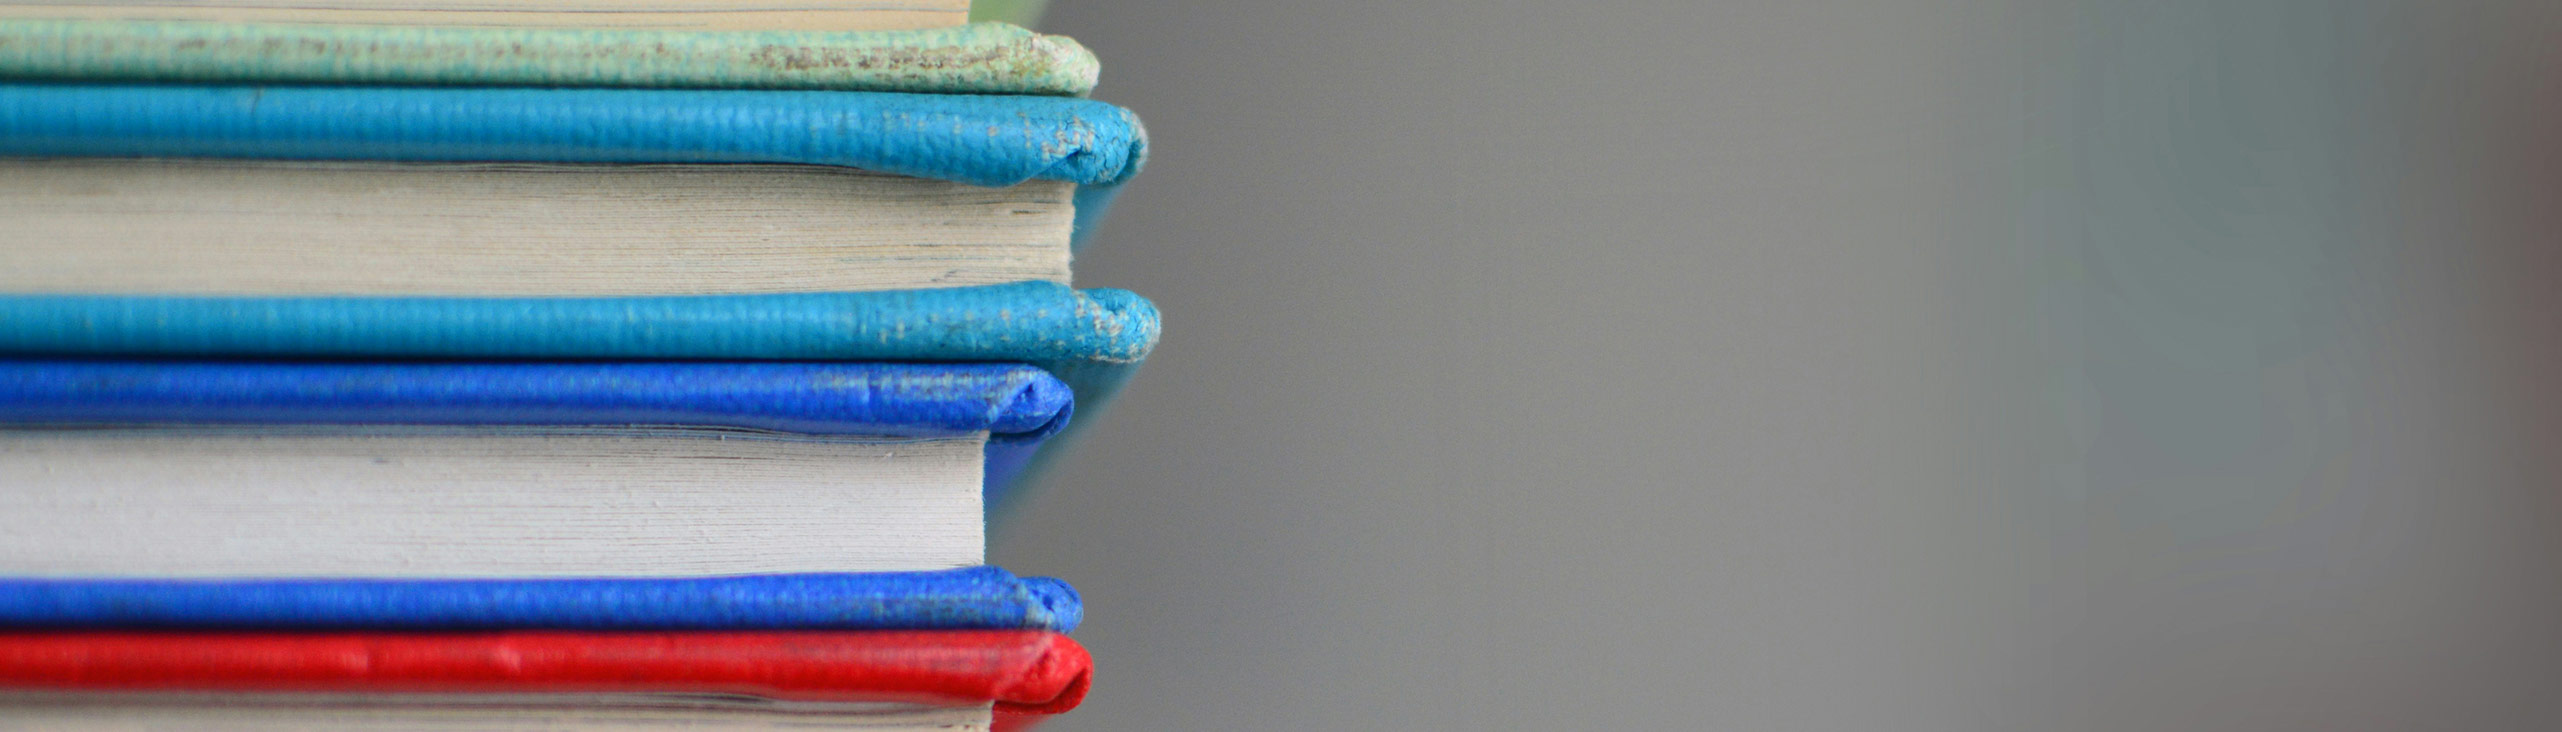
x=983, y=58
x=979, y=139
x=1028, y=321
x=1019, y=670
x=982, y=598
x=857, y=398
x=1092, y=340
x=1019, y=406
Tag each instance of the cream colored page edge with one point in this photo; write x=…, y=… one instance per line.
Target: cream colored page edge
x=224, y=227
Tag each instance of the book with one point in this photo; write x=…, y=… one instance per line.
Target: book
x=981, y=58
x=720, y=15
x=974, y=598
x=297, y=469
x=201, y=712
x=1038, y=322
x=1091, y=340
x=1018, y=672
x=977, y=139
x=456, y=191
x=555, y=366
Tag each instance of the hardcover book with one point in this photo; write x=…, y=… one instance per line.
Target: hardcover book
x=446, y=680
x=725, y=15
x=1092, y=340
x=203, y=712
x=973, y=598
x=984, y=58
x=156, y=469
x=407, y=364
x=188, y=190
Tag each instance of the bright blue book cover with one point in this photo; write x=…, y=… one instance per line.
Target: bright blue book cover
x=960, y=599
x=991, y=140
x=1018, y=406
x=1093, y=340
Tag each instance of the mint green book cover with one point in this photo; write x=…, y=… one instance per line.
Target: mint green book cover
x=980, y=58
x=1026, y=13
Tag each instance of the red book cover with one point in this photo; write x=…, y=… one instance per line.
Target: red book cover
x=1023, y=672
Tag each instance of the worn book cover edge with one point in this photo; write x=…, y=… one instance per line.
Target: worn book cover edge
x=974, y=598
x=1020, y=671
x=988, y=140
x=981, y=58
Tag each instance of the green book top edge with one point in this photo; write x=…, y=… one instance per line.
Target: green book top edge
x=979, y=58
x=1026, y=13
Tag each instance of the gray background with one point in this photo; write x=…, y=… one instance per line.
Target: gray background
x=1813, y=364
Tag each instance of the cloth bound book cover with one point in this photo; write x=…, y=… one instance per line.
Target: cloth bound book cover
x=988, y=140
x=975, y=598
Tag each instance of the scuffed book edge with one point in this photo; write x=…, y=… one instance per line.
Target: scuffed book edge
x=1010, y=402
x=976, y=139
x=1053, y=679
x=1022, y=672
x=980, y=58
x=1092, y=340
x=1025, y=321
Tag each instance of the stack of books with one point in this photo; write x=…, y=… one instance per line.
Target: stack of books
x=574, y=363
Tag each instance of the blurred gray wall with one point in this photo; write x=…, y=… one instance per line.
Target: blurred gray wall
x=1827, y=365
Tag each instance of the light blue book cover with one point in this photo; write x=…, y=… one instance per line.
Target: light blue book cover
x=989, y=140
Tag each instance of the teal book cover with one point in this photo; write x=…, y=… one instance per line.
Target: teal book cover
x=986, y=140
